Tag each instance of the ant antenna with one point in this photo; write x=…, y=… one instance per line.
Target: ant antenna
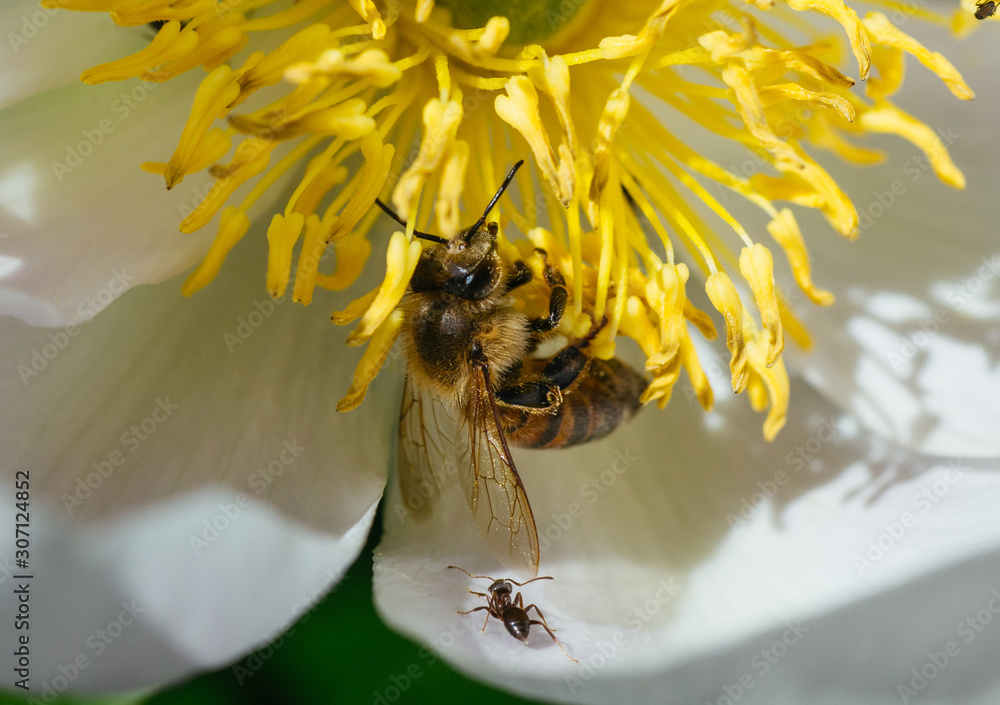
x=503, y=187
x=392, y=214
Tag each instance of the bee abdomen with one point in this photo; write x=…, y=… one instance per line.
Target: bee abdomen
x=605, y=398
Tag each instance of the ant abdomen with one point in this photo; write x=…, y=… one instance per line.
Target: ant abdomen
x=517, y=622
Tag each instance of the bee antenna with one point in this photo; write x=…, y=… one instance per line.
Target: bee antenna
x=499, y=193
x=426, y=236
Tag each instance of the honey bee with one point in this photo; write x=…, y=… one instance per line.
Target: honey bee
x=473, y=389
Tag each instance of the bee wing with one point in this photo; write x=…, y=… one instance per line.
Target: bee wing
x=491, y=483
x=427, y=438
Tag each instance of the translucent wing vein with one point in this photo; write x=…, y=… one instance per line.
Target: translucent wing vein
x=491, y=483
x=427, y=447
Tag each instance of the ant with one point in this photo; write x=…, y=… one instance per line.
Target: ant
x=511, y=612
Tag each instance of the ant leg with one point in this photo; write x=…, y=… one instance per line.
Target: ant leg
x=548, y=629
x=520, y=603
x=470, y=574
x=476, y=609
x=540, y=615
x=558, y=643
x=478, y=594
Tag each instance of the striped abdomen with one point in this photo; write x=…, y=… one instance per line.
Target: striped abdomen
x=606, y=396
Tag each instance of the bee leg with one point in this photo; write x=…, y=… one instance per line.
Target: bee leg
x=533, y=396
x=563, y=369
x=520, y=276
x=558, y=374
x=557, y=301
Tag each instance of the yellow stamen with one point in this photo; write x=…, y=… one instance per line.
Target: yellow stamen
x=355, y=310
x=372, y=66
x=346, y=120
x=251, y=156
x=519, y=108
x=215, y=93
x=769, y=383
x=313, y=245
x=493, y=36
x=270, y=69
x=232, y=227
x=170, y=43
x=400, y=260
x=665, y=294
x=213, y=147
x=636, y=325
x=340, y=93
x=722, y=293
x=699, y=381
x=450, y=192
x=701, y=320
x=370, y=14
x=852, y=25
x=371, y=361
x=281, y=238
x=785, y=231
x=884, y=33
x=441, y=120
x=351, y=253
x=423, y=10
x=552, y=77
x=886, y=117
x=138, y=13
x=757, y=268
x=217, y=42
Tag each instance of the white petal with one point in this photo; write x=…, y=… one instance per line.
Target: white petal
x=132, y=605
x=223, y=402
x=75, y=235
x=911, y=344
x=662, y=600
x=77, y=215
x=38, y=58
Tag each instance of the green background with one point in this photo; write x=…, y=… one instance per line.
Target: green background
x=340, y=652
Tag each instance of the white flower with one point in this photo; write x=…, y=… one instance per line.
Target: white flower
x=192, y=490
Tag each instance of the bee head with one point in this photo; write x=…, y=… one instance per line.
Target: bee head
x=468, y=265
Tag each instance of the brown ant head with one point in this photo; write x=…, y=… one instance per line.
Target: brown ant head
x=501, y=587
